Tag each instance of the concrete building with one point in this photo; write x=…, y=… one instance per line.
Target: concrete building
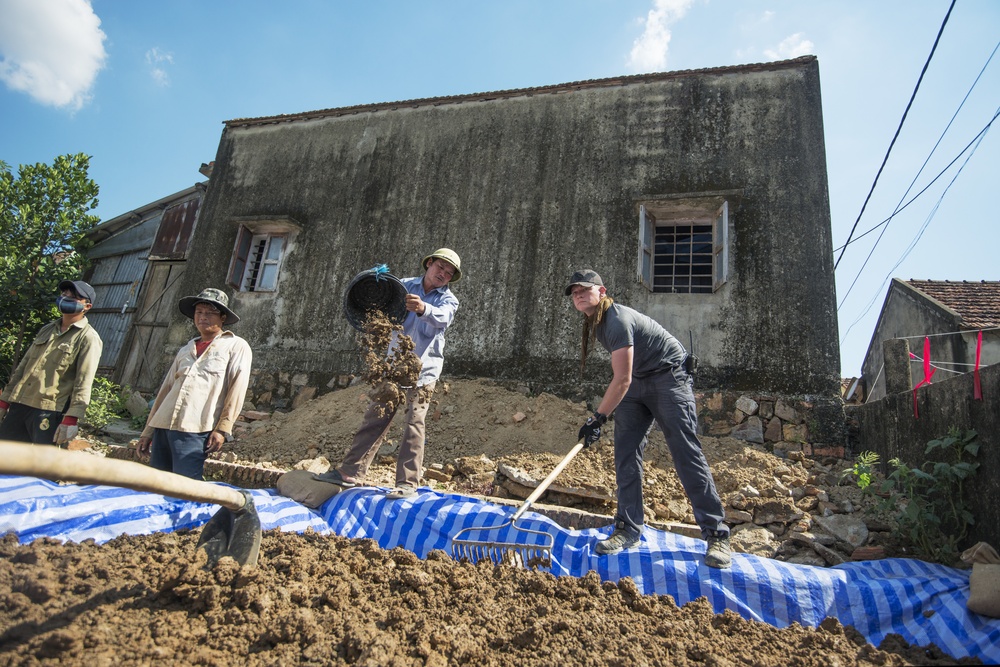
x=700, y=197
x=950, y=315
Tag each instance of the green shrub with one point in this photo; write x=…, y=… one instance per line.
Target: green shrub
x=107, y=403
x=863, y=470
x=929, y=501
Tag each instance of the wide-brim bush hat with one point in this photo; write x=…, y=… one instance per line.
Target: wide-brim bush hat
x=448, y=255
x=216, y=297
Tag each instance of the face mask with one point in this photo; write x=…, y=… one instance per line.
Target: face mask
x=70, y=306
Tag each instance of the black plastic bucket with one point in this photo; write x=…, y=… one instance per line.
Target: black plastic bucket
x=375, y=290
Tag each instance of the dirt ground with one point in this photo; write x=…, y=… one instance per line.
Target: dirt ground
x=319, y=600
x=327, y=600
x=472, y=418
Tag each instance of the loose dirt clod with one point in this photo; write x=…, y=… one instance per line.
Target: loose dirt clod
x=327, y=600
x=390, y=366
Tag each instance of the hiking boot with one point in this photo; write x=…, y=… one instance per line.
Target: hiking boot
x=333, y=476
x=621, y=538
x=402, y=491
x=719, y=552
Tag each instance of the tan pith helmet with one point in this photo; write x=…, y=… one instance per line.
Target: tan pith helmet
x=448, y=255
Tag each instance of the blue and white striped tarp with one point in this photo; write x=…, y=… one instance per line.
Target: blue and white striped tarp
x=922, y=602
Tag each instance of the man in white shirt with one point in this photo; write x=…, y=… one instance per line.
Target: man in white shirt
x=202, y=393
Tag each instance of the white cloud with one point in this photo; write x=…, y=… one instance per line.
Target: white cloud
x=155, y=59
x=51, y=49
x=792, y=46
x=649, y=51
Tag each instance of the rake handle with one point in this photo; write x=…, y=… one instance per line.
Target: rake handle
x=56, y=464
x=540, y=489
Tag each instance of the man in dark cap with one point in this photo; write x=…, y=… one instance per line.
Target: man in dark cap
x=49, y=391
x=651, y=382
x=202, y=393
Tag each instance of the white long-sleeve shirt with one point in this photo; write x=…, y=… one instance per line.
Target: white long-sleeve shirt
x=203, y=393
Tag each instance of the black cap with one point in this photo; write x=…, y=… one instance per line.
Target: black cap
x=585, y=277
x=82, y=289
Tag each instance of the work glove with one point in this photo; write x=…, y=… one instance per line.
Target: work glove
x=65, y=433
x=590, y=432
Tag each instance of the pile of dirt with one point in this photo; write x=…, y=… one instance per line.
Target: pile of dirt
x=325, y=600
x=484, y=438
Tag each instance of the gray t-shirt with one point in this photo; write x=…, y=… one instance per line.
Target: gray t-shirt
x=653, y=348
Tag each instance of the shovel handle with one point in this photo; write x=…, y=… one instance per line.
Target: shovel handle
x=540, y=489
x=56, y=464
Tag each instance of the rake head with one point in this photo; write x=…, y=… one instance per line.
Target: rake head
x=517, y=554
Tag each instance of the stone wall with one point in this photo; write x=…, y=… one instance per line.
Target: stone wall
x=889, y=428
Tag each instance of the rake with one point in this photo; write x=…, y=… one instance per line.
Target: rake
x=515, y=553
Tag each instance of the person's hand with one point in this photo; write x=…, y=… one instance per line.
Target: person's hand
x=215, y=441
x=415, y=304
x=590, y=432
x=65, y=433
x=142, y=446
x=3, y=413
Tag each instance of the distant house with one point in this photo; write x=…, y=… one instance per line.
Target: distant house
x=137, y=261
x=700, y=197
x=949, y=314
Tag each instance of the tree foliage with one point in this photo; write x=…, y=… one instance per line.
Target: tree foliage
x=44, y=217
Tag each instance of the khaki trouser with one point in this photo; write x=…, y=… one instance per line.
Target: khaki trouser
x=410, y=461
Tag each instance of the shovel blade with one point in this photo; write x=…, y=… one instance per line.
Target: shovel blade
x=233, y=533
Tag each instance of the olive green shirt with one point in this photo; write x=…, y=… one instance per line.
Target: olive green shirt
x=57, y=369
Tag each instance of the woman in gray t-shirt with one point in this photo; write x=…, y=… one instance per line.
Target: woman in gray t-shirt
x=649, y=383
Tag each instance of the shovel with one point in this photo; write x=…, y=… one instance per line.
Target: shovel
x=524, y=555
x=233, y=531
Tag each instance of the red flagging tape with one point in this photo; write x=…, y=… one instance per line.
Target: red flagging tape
x=928, y=374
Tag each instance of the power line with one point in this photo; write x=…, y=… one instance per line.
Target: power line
x=898, y=129
x=942, y=172
x=913, y=243
x=975, y=140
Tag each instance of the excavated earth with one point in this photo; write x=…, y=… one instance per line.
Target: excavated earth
x=319, y=600
x=326, y=600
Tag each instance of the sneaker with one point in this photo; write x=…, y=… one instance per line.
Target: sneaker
x=402, y=491
x=621, y=538
x=719, y=552
x=333, y=476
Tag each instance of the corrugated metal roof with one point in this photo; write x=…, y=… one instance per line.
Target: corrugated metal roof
x=520, y=92
x=977, y=303
x=117, y=281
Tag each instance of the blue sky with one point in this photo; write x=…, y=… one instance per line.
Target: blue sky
x=144, y=87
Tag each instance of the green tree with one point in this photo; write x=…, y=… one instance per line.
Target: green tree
x=44, y=217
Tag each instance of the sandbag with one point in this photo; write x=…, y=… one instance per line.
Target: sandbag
x=984, y=582
x=300, y=486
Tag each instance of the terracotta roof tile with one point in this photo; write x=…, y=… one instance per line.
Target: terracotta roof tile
x=978, y=303
x=519, y=92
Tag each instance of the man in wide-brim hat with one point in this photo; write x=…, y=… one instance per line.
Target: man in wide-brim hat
x=202, y=393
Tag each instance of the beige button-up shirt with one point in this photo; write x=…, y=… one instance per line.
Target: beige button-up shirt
x=205, y=393
x=57, y=369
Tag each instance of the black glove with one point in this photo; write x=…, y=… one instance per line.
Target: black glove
x=591, y=431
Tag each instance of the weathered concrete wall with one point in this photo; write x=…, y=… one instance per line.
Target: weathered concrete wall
x=889, y=428
x=527, y=186
x=909, y=313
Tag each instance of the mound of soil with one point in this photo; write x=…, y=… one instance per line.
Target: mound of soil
x=324, y=600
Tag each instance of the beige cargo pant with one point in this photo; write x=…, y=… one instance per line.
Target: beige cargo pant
x=374, y=426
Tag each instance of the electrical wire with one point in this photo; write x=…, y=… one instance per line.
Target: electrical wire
x=978, y=141
x=899, y=208
x=896, y=135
